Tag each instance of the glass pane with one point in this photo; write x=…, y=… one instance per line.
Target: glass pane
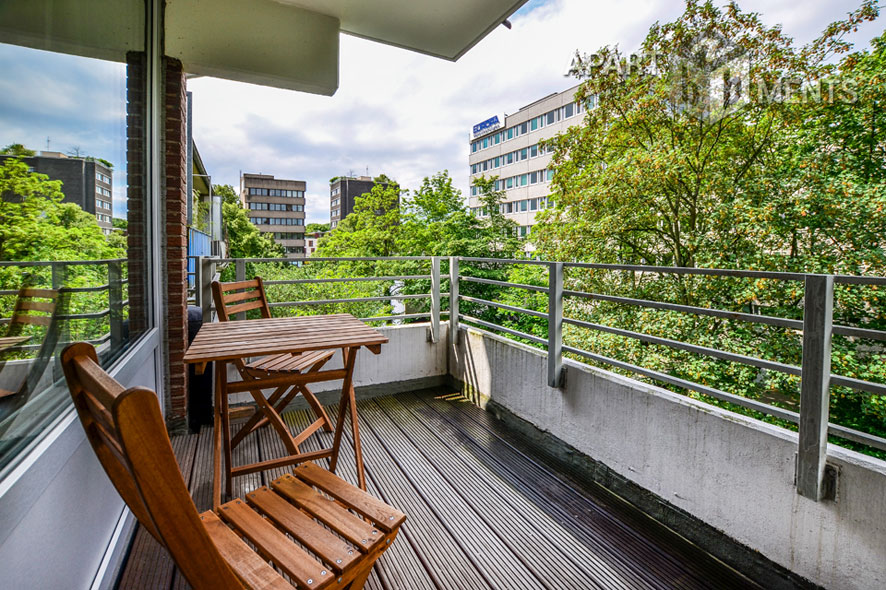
x=73, y=241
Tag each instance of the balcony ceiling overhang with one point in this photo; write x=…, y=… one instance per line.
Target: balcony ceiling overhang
x=292, y=44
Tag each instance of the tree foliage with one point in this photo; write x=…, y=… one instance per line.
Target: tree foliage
x=723, y=144
x=17, y=149
x=243, y=237
x=35, y=225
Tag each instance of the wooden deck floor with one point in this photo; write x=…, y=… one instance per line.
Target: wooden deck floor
x=483, y=510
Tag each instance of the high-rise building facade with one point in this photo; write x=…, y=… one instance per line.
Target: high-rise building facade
x=277, y=207
x=86, y=182
x=510, y=151
x=343, y=190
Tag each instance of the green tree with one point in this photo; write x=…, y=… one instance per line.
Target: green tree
x=723, y=144
x=244, y=239
x=673, y=161
x=36, y=225
x=373, y=229
x=17, y=149
x=316, y=227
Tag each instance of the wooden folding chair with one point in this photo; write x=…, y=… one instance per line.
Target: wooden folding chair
x=243, y=296
x=288, y=530
x=33, y=307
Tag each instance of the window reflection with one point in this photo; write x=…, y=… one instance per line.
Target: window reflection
x=73, y=233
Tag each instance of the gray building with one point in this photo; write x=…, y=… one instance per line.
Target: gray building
x=85, y=182
x=510, y=151
x=277, y=207
x=343, y=190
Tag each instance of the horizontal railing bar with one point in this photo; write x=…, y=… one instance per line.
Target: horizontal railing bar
x=10, y=292
x=859, y=384
x=405, y=316
x=859, y=280
x=498, y=328
x=732, y=315
x=538, y=314
x=683, y=270
x=670, y=379
x=84, y=289
x=84, y=316
x=506, y=260
x=323, y=259
x=702, y=350
x=857, y=436
x=860, y=332
x=349, y=300
x=64, y=262
x=790, y=416
x=504, y=284
x=835, y=380
x=345, y=280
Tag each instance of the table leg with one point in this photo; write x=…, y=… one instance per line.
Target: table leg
x=222, y=368
x=276, y=421
x=355, y=440
x=258, y=419
x=348, y=356
x=217, y=443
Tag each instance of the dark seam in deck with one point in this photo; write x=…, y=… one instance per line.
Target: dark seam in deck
x=484, y=512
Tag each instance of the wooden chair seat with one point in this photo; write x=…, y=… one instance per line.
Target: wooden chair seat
x=288, y=363
x=310, y=526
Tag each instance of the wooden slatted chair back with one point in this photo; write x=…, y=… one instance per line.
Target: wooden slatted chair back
x=241, y=296
x=127, y=433
x=34, y=307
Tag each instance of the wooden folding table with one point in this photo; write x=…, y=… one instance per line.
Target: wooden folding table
x=226, y=342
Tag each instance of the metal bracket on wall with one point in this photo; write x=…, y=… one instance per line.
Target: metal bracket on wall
x=830, y=488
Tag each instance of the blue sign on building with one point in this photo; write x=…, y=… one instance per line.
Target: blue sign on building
x=490, y=122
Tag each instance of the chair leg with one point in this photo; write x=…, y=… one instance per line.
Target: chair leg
x=315, y=404
x=258, y=419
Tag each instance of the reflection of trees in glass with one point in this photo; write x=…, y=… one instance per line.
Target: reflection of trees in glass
x=35, y=225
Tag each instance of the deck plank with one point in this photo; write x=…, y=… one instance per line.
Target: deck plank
x=483, y=510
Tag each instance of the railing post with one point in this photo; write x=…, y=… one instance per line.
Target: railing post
x=240, y=275
x=115, y=303
x=204, y=287
x=555, y=324
x=818, y=312
x=453, y=300
x=198, y=282
x=59, y=271
x=435, y=299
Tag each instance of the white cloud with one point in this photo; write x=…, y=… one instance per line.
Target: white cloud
x=408, y=115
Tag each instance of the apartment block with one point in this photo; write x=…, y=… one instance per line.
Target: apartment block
x=510, y=151
x=85, y=182
x=343, y=191
x=277, y=207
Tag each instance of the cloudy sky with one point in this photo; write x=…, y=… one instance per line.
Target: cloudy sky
x=396, y=112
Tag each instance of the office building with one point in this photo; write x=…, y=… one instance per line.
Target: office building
x=277, y=207
x=343, y=190
x=510, y=151
x=86, y=182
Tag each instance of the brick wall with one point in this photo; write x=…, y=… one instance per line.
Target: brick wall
x=175, y=241
x=136, y=141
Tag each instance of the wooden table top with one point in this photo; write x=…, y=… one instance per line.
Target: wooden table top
x=222, y=341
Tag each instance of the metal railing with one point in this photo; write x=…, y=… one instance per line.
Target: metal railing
x=207, y=270
x=814, y=373
x=816, y=327
x=60, y=271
